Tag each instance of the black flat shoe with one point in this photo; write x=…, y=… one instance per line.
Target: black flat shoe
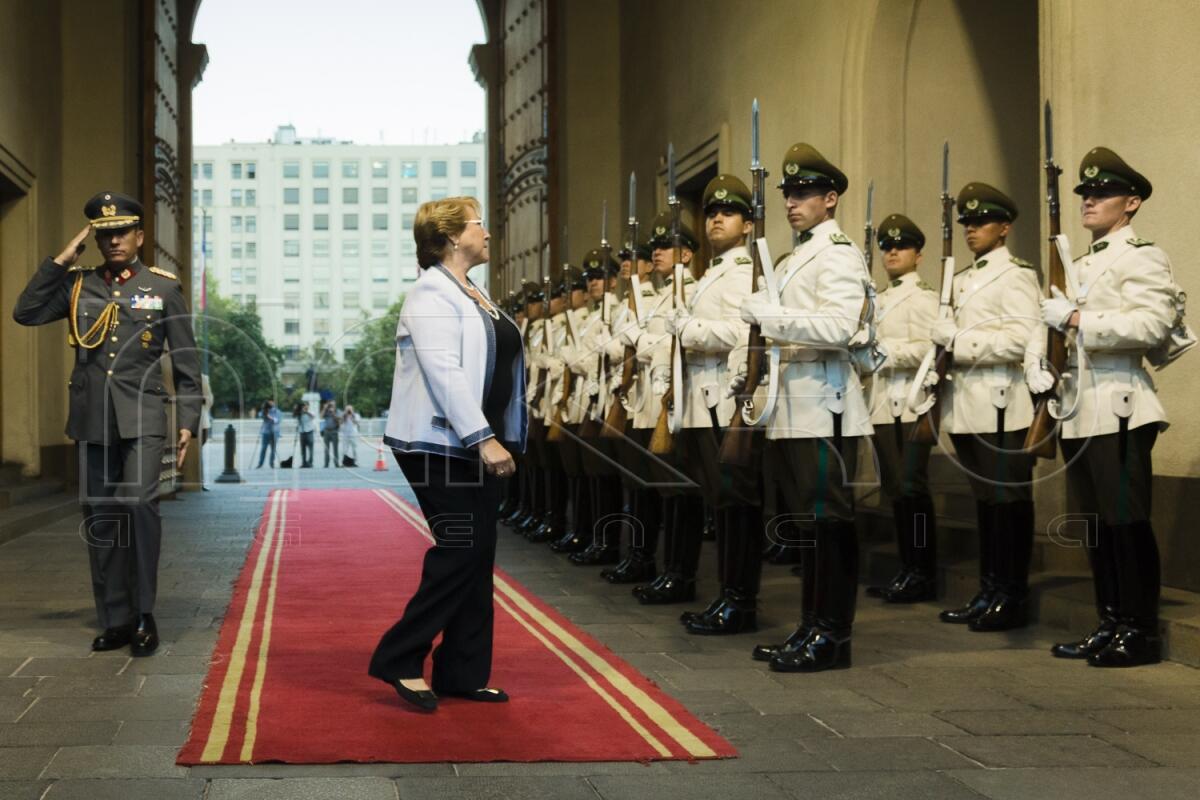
x=144, y=640
x=113, y=638
x=423, y=699
x=488, y=695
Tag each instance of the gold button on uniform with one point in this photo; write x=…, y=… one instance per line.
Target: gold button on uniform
x=116, y=294
x=114, y=338
x=110, y=372
x=112, y=355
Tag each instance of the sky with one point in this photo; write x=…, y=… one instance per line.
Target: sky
x=370, y=71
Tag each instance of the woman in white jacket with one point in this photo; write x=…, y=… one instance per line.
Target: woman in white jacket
x=457, y=413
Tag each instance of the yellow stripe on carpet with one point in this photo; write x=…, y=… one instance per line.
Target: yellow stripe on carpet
x=690, y=743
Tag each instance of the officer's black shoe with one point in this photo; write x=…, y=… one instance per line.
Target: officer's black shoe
x=1131, y=647
x=709, y=610
x=633, y=569
x=571, y=541
x=1094, y=642
x=675, y=589
x=595, y=555
x=974, y=608
x=1006, y=612
x=915, y=588
x=736, y=614
x=113, y=638
x=890, y=586
x=822, y=650
x=145, y=636
x=529, y=522
x=765, y=652
x=652, y=586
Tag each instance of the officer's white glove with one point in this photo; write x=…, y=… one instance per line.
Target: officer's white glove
x=555, y=365
x=1057, y=309
x=614, y=383
x=677, y=321
x=943, y=332
x=660, y=380
x=1039, y=379
x=592, y=387
x=931, y=378
x=757, y=307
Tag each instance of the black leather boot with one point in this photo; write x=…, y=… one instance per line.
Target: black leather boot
x=808, y=612
x=678, y=582
x=828, y=644
x=577, y=534
x=920, y=580
x=646, y=518
x=1103, y=561
x=605, y=547
x=1009, y=608
x=978, y=604
x=721, y=537
x=903, y=525
x=737, y=613
x=669, y=508
x=1139, y=576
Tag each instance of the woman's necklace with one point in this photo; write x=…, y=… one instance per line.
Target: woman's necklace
x=474, y=294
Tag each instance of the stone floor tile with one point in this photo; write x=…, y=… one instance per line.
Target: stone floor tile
x=22, y=790
x=497, y=788
x=133, y=789
x=115, y=761
x=1156, y=720
x=890, y=754
x=878, y=724
x=302, y=789
x=684, y=787
x=1167, y=749
x=23, y=763
x=1025, y=722
x=57, y=734
x=874, y=786
x=1062, y=782
x=171, y=733
x=106, y=666
x=1041, y=751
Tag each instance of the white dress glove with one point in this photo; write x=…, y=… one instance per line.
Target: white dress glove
x=942, y=333
x=1039, y=379
x=660, y=380
x=1057, y=309
x=677, y=321
x=756, y=307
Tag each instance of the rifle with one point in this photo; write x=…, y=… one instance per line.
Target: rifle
x=594, y=418
x=930, y=411
x=556, y=422
x=662, y=441
x=737, y=442
x=869, y=229
x=618, y=415
x=1039, y=441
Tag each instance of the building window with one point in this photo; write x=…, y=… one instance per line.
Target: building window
x=251, y=249
x=351, y=248
x=206, y=198
x=291, y=327
x=320, y=299
x=292, y=352
x=320, y=222
x=235, y=196
x=235, y=250
x=350, y=276
x=291, y=248
x=291, y=301
x=407, y=220
x=320, y=248
x=379, y=248
x=408, y=195
x=320, y=169
x=291, y=196
x=251, y=277
x=437, y=169
x=235, y=275
x=467, y=191
x=350, y=301
x=349, y=222
x=438, y=193
x=208, y=224
x=408, y=169
x=379, y=169
x=379, y=222
x=379, y=194
x=408, y=247
x=321, y=195
x=206, y=169
x=349, y=169
x=291, y=169
x=251, y=197
x=350, y=195
x=195, y=195
x=291, y=274
x=235, y=224
x=251, y=170
x=466, y=169
x=379, y=275
x=251, y=224
x=321, y=327
x=235, y=170
x=379, y=301
x=195, y=170
x=291, y=222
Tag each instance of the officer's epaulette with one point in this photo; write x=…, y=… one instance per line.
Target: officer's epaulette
x=922, y=284
x=1020, y=262
x=164, y=273
x=839, y=238
x=81, y=268
x=743, y=260
x=1137, y=241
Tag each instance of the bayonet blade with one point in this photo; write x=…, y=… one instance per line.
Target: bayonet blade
x=870, y=200
x=670, y=173
x=754, y=153
x=604, y=224
x=632, y=196
x=1048, y=115
x=946, y=167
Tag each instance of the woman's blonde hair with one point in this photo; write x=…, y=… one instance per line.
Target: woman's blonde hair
x=437, y=222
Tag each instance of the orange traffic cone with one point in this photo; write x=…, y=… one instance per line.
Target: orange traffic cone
x=380, y=464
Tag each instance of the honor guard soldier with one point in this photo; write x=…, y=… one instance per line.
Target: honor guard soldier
x=528, y=515
x=514, y=306
x=906, y=309
x=645, y=504
x=710, y=327
x=597, y=456
x=1123, y=316
x=813, y=432
x=683, y=506
x=987, y=409
x=120, y=317
x=558, y=494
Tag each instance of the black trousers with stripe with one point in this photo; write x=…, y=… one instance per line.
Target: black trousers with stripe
x=459, y=501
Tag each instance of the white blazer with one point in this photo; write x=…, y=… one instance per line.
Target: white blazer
x=445, y=360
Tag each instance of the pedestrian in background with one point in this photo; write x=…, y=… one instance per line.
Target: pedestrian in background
x=268, y=434
x=306, y=423
x=329, y=432
x=349, y=435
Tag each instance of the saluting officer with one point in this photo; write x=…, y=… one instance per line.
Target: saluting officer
x=120, y=316
x=905, y=311
x=988, y=409
x=710, y=327
x=822, y=412
x=683, y=506
x=1122, y=317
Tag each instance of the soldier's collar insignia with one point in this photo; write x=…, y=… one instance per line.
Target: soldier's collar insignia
x=791, y=168
x=894, y=233
x=839, y=238
x=721, y=193
x=973, y=203
x=804, y=237
x=716, y=260
x=896, y=282
x=1097, y=247
x=980, y=264
x=743, y=260
x=1091, y=172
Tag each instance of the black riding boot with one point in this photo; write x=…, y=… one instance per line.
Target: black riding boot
x=605, y=546
x=901, y=521
x=1102, y=559
x=644, y=522
x=986, y=523
x=735, y=611
x=1139, y=581
x=577, y=533
x=677, y=584
x=920, y=580
x=1009, y=608
x=808, y=606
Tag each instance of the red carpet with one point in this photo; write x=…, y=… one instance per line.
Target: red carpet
x=328, y=573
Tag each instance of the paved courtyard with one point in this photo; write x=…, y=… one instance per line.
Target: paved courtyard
x=928, y=711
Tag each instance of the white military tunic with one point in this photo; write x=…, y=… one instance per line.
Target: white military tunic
x=997, y=308
x=905, y=310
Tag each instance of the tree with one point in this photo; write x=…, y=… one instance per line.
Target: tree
x=243, y=367
x=366, y=377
